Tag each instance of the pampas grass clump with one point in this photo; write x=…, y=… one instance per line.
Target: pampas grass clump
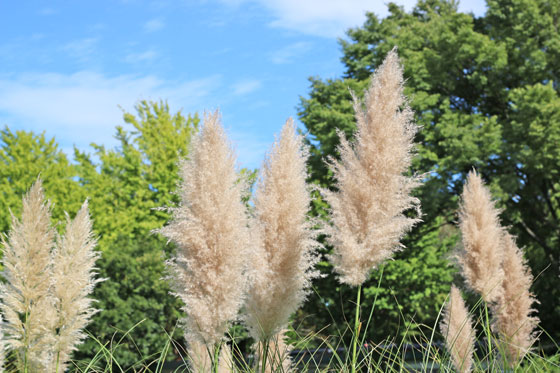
x=27, y=304
x=482, y=254
x=367, y=211
x=282, y=264
x=456, y=327
x=210, y=229
x=512, y=312
x=45, y=299
x=494, y=266
x=74, y=280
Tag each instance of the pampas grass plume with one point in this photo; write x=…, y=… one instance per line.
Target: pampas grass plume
x=456, y=328
x=209, y=228
x=282, y=266
x=373, y=192
x=512, y=312
x=482, y=254
x=73, y=275
x=26, y=302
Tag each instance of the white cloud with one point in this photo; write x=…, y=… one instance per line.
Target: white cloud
x=246, y=86
x=84, y=107
x=81, y=49
x=47, y=11
x=146, y=56
x=331, y=18
x=154, y=24
x=289, y=52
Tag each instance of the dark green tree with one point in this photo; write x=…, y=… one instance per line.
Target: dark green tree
x=485, y=91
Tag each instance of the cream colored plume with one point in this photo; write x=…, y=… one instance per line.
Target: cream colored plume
x=482, y=254
x=26, y=301
x=512, y=312
x=456, y=327
x=282, y=266
x=73, y=278
x=210, y=230
x=367, y=211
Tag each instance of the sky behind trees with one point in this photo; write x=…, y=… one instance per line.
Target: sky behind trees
x=67, y=68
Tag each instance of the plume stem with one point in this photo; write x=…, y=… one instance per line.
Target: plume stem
x=357, y=325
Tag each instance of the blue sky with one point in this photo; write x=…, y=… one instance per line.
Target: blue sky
x=68, y=67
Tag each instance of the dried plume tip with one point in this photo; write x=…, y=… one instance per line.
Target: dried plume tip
x=25, y=299
x=512, y=312
x=210, y=230
x=282, y=267
x=456, y=328
x=482, y=254
x=73, y=282
x=367, y=212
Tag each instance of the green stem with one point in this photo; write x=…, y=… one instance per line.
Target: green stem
x=216, y=358
x=57, y=361
x=25, y=341
x=356, y=336
x=488, y=331
x=264, y=355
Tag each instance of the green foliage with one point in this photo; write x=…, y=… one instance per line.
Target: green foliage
x=23, y=157
x=126, y=186
x=485, y=91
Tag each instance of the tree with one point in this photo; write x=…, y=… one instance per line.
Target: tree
x=485, y=91
x=24, y=156
x=126, y=186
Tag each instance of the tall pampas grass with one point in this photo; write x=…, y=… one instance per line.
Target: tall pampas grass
x=210, y=230
x=456, y=327
x=73, y=275
x=27, y=304
x=45, y=298
x=283, y=261
x=483, y=252
x=512, y=312
x=367, y=211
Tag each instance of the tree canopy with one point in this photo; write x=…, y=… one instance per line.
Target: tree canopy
x=485, y=92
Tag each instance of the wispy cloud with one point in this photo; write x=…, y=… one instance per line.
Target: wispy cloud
x=145, y=56
x=81, y=49
x=332, y=18
x=47, y=11
x=289, y=52
x=154, y=24
x=246, y=86
x=84, y=107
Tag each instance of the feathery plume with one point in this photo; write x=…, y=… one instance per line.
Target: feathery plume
x=73, y=278
x=482, y=254
x=210, y=230
x=200, y=361
x=512, y=312
x=283, y=262
x=373, y=192
x=456, y=328
x=26, y=302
